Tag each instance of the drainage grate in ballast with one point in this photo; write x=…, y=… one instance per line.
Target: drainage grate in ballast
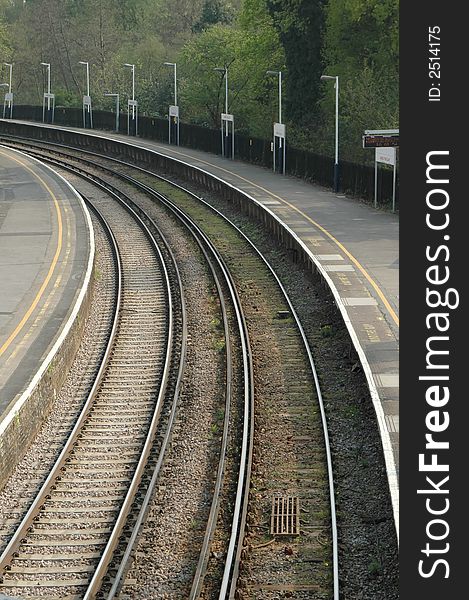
x=285, y=518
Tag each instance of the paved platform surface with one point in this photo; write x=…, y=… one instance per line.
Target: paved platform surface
x=44, y=253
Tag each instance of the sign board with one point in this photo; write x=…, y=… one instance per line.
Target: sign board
x=386, y=155
x=381, y=131
x=9, y=97
x=174, y=111
x=51, y=96
x=279, y=130
x=227, y=117
x=380, y=141
x=87, y=100
x=132, y=103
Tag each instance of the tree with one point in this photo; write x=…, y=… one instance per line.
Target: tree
x=249, y=49
x=300, y=26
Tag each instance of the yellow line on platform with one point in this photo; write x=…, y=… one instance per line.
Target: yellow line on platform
x=36, y=300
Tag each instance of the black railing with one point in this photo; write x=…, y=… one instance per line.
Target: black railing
x=355, y=179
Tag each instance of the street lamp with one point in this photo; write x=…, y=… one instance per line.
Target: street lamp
x=132, y=104
x=170, y=64
x=11, y=70
x=226, y=118
x=8, y=101
x=48, y=78
x=133, y=78
x=336, y=162
x=224, y=70
x=116, y=96
x=279, y=128
x=174, y=110
x=87, y=65
x=48, y=96
x=87, y=98
x=279, y=73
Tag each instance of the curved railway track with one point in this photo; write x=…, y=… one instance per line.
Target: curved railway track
x=225, y=286
x=80, y=511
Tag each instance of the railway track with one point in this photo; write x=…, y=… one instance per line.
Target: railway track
x=195, y=219
x=68, y=535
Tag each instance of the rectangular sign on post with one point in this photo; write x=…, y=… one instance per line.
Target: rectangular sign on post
x=227, y=117
x=386, y=155
x=380, y=141
x=279, y=130
x=174, y=111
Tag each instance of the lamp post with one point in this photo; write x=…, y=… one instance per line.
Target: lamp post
x=116, y=96
x=279, y=128
x=48, y=96
x=8, y=102
x=10, y=65
x=132, y=104
x=174, y=110
x=133, y=78
x=87, y=98
x=48, y=82
x=87, y=65
x=226, y=118
x=170, y=64
x=336, y=162
x=224, y=70
x=279, y=73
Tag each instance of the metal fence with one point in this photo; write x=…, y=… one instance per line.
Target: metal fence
x=355, y=179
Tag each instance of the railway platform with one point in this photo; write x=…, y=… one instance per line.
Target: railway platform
x=46, y=254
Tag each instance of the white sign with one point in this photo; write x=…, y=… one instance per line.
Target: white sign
x=227, y=117
x=87, y=100
x=279, y=130
x=9, y=97
x=51, y=96
x=381, y=131
x=174, y=111
x=132, y=102
x=386, y=155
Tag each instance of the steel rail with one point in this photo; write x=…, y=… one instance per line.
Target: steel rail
x=335, y=543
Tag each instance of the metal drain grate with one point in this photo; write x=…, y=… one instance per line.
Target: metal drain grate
x=285, y=518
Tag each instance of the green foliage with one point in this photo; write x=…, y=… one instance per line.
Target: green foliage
x=248, y=50
x=213, y=12
x=362, y=32
x=66, y=98
x=354, y=39
x=300, y=26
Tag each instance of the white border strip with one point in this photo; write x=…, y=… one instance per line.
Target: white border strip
x=15, y=409
x=385, y=437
